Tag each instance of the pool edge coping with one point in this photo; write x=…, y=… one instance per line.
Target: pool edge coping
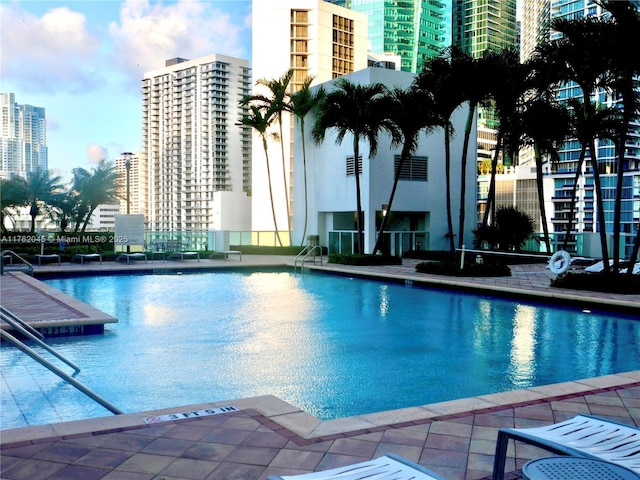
x=304, y=428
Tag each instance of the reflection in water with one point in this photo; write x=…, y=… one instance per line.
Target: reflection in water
x=331, y=345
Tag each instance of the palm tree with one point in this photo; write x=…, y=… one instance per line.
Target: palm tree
x=476, y=93
x=580, y=57
x=623, y=29
x=13, y=194
x=260, y=119
x=545, y=125
x=93, y=188
x=300, y=104
x=411, y=112
x=278, y=103
x=439, y=79
x=360, y=111
x=41, y=186
x=509, y=85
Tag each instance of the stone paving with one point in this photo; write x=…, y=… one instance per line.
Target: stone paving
x=267, y=436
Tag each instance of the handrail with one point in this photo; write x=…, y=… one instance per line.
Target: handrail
x=19, y=328
x=305, y=253
x=24, y=324
x=13, y=254
x=33, y=354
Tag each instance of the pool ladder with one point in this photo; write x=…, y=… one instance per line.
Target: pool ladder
x=31, y=333
x=20, y=266
x=308, y=254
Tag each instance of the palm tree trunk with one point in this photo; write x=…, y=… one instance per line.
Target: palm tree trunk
x=359, y=219
x=617, y=213
x=600, y=205
x=306, y=193
x=396, y=177
x=273, y=207
x=284, y=178
x=634, y=254
x=463, y=172
x=540, y=187
x=583, y=153
x=492, y=191
x=447, y=161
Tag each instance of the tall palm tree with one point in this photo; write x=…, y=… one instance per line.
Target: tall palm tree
x=545, y=125
x=623, y=29
x=300, y=104
x=41, y=186
x=411, y=111
x=358, y=110
x=476, y=93
x=13, y=194
x=278, y=102
x=580, y=57
x=260, y=118
x=93, y=188
x=510, y=83
x=439, y=79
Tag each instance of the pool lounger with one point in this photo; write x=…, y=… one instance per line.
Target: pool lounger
x=82, y=257
x=128, y=257
x=184, y=256
x=388, y=467
x=581, y=436
x=226, y=253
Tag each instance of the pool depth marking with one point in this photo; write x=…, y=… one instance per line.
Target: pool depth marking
x=181, y=416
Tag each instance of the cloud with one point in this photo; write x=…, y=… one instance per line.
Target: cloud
x=148, y=34
x=48, y=54
x=95, y=153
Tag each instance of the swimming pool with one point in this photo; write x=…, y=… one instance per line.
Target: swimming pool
x=331, y=345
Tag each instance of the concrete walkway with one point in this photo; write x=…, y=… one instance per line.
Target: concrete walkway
x=264, y=435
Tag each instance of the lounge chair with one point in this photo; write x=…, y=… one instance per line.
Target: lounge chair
x=388, y=467
x=581, y=436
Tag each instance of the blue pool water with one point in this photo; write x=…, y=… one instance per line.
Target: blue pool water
x=333, y=346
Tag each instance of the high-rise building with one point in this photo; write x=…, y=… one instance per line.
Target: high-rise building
x=585, y=214
x=534, y=27
x=414, y=29
x=480, y=25
x=23, y=146
x=316, y=39
x=194, y=158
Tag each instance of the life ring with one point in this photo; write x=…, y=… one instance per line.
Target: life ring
x=559, y=262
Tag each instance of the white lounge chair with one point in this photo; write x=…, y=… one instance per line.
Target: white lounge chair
x=581, y=436
x=388, y=467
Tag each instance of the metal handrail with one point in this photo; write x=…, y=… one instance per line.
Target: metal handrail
x=12, y=254
x=36, y=356
x=305, y=253
x=24, y=324
x=18, y=326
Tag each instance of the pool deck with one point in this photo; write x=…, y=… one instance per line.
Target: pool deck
x=266, y=436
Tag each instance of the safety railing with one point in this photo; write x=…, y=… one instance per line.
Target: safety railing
x=20, y=265
x=308, y=253
x=21, y=327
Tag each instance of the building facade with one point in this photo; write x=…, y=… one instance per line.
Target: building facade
x=23, y=145
x=194, y=159
x=414, y=30
x=316, y=40
x=418, y=217
x=130, y=187
x=585, y=214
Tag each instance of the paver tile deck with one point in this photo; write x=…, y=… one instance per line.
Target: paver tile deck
x=266, y=436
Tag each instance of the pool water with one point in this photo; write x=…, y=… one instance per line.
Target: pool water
x=331, y=345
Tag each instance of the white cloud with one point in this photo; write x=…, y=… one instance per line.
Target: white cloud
x=147, y=34
x=95, y=153
x=50, y=53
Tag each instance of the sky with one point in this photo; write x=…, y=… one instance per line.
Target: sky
x=83, y=61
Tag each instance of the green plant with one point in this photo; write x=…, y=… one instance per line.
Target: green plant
x=344, y=259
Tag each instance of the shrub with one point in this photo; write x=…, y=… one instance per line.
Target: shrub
x=343, y=259
x=599, y=282
x=469, y=270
